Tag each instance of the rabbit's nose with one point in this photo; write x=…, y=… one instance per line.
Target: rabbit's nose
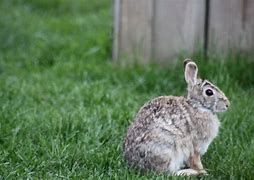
x=227, y=103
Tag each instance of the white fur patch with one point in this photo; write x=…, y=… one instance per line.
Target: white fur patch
x=204, y=147
x=176, y=162
x=186, y=172
x=202, y=109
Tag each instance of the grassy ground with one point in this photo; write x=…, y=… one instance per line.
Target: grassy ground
x=65, y=107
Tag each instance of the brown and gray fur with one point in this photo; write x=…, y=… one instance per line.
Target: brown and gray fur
x=169, y=134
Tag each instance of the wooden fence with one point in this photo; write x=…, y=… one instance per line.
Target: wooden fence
x=161, y=29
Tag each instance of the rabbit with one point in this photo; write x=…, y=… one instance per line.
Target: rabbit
x=170, y=134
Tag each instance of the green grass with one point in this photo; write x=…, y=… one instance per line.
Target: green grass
x=65, y=107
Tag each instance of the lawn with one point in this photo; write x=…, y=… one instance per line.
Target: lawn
x=65, y=106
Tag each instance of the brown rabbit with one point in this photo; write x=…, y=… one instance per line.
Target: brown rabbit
x=169, y=133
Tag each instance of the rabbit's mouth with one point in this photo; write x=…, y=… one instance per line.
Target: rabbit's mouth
x=221, y=109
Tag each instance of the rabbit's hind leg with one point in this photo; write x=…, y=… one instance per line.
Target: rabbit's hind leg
x=195, y=163
x=159, y=163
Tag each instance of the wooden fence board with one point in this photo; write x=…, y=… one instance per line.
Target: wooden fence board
x=231, y=25
x=179, y=26
x=134, y=35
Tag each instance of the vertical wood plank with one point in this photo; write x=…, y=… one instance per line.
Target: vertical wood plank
x=231, y=25
x=116, y=28
x=179, y=26
x=135, y=24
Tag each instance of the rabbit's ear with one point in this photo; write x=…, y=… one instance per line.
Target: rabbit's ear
x=190, y=72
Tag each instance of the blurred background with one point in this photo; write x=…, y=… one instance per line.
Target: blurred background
x=74, y=73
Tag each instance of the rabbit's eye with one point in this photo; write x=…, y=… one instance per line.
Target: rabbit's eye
x=209, y=92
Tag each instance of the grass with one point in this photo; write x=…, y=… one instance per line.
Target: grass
x=65, y=107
